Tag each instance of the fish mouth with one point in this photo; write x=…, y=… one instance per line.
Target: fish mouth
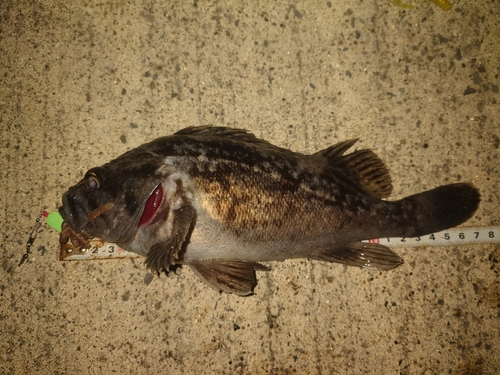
x=151, y=207
x=77, y=216
x=73, y=212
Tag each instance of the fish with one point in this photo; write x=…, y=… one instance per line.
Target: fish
x=221, y=201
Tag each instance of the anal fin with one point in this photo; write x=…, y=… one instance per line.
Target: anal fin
x=228, y=276
x=361, y=254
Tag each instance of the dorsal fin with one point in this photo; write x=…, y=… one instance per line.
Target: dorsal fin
x=221, y=131
x=239, y=135
x=363, y=167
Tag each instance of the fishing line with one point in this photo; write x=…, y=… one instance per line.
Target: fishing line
x=29, y=242
x=31, y=239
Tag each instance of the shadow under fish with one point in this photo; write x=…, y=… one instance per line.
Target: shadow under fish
x=221, y=200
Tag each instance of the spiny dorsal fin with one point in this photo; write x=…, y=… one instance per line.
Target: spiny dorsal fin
x=363, y=167
x=238, y=135
x=336, y=151
x=221, y=131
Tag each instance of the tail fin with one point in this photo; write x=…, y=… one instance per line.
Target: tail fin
x=442, y=208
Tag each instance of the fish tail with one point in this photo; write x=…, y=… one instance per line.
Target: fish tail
x=440, y=208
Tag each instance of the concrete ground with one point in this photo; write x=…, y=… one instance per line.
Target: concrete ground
x=83, y=81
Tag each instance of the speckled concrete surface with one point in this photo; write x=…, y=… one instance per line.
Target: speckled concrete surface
x=83, y=81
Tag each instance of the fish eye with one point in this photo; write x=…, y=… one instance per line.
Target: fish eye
x=92, y=181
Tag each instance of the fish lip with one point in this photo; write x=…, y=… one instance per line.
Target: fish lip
x=73, y=212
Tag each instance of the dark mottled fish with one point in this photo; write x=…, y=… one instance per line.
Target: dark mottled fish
x=220, y=200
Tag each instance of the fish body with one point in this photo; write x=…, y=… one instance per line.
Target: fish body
x=221, y=200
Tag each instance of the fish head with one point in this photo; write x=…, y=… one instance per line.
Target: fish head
x=113, y=200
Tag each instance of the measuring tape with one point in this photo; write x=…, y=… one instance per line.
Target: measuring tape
x=99, y=250
x=454, y=236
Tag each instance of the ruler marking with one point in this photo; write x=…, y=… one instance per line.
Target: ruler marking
x=453, y=236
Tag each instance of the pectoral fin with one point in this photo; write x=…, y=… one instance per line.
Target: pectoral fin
x=163, y=254
x=228, y=276
x=361, y=254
